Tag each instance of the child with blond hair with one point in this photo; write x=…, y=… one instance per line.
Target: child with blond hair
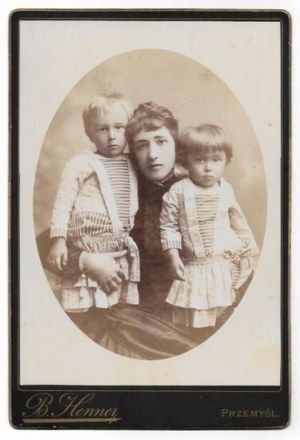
x=95, y=208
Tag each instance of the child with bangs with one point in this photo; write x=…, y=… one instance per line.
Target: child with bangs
x=204, y=234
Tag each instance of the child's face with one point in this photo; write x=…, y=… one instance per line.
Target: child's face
x=108, y=131
x=155, y=153
x=205, y=169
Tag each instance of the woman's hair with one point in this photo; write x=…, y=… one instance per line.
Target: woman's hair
x=101, y=104
x=148, y=117
x=206, y=139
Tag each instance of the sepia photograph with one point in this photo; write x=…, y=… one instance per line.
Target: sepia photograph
x=152, y=252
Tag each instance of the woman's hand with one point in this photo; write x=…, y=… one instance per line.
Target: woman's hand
x=104, y=269
x=58, y=254
x=177, y=266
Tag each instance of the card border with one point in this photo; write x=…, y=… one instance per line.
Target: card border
x=260, y=395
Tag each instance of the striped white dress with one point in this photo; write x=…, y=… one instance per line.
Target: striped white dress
x=81, y=213
x=216, y=245
x=203, y=276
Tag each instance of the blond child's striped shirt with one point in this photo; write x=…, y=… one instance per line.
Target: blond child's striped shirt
x=118, y=173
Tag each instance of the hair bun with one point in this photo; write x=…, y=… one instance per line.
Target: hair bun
x=145, y=107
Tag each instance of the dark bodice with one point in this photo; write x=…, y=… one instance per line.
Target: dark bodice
x=155, y=276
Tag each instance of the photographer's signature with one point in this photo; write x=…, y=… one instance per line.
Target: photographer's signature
x=67, y=407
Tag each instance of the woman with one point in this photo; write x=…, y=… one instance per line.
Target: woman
x=152, y=137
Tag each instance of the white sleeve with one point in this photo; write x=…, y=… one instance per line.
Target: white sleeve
x=70, y=183
x=169, y=221
x=249, y=250
x=240, y=226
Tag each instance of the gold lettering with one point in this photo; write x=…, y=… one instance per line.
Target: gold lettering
x=94, y=412
x=74, y=406
x=71, y=404
x=248, y=413
x=39, y=404
x=108, y=412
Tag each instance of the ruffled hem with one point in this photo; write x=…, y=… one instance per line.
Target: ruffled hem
x=82, y=298
x=207, y=284
x=245, y=269
x=196, y=318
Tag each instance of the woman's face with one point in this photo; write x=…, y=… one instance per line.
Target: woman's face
x=155, y=153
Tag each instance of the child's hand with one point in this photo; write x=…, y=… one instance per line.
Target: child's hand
x=177, y=266
x=178, y=269
x=58, y=254
x=104, y=269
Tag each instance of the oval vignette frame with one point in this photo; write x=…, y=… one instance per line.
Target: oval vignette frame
x=192, y=92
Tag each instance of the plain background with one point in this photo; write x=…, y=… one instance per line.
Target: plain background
x=293, y=7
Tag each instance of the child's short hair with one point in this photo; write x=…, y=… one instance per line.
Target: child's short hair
x=148, y=117
x=204, y=138
x=102, y=103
